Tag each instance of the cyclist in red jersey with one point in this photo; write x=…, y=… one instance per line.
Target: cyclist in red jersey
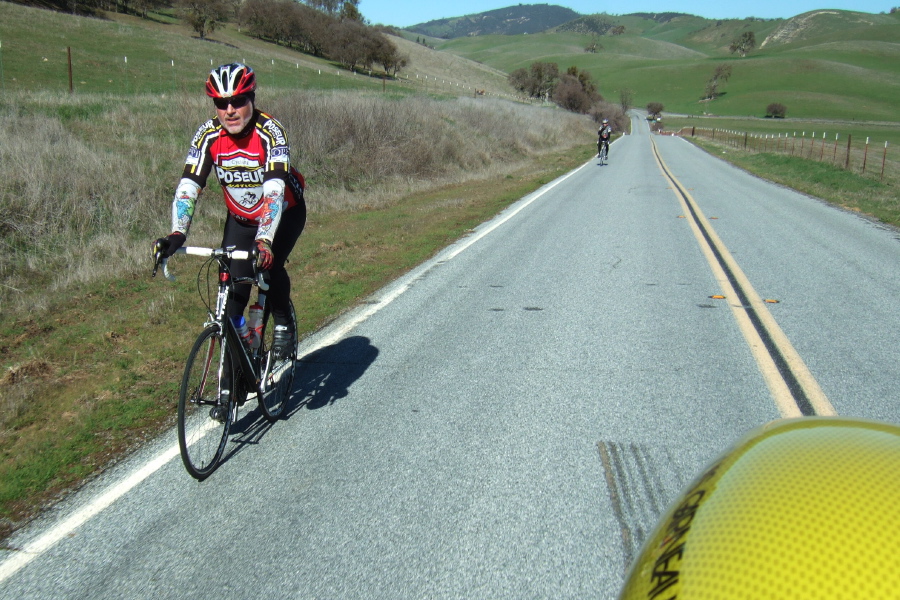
x=250, y=153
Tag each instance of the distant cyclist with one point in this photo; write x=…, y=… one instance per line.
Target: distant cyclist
x=603, y=135
x=250, y=154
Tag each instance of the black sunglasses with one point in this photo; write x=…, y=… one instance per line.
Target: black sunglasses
x=235, y=101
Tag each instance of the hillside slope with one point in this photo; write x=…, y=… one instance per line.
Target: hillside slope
x=822, y=64
x=127, y=54
x=513, y=20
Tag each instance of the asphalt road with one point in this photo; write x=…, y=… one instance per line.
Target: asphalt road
x=511, y=418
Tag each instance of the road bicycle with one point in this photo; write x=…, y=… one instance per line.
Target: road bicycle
x=222, y=370
x=604, y=149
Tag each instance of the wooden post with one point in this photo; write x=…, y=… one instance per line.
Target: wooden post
x=69, y=52
x=865, y=156
x=847, y=162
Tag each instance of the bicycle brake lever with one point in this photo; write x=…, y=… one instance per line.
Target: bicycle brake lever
x=166, y=272
x=157, y=259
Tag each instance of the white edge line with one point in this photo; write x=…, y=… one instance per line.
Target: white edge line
x=44, y=542
x=60, y=530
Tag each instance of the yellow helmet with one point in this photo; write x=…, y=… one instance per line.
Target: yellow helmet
x=799, y=508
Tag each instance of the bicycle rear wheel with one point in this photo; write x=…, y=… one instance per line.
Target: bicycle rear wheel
x=278, y=375
x=204, y=419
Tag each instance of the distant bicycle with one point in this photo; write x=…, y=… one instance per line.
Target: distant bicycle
x=222, y=370
x=603, y=150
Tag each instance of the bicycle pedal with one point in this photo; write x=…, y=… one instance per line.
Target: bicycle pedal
x=217, y=413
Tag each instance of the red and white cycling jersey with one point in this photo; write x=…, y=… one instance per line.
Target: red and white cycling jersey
x=243, y=165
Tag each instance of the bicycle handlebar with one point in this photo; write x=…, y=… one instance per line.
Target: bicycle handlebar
x=213, y=252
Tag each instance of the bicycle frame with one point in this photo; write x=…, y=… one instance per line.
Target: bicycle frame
x=249, y=365
x=203, y=406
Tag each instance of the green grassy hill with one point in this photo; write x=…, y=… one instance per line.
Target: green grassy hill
x=823, y=64
x=512, y=20
x=123, y=54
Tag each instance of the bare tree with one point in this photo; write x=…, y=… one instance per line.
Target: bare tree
x=606, y=110
x=743, y=44
x=571, y=96
x=385, y=53
x=204, y=16
x=331, y=7
x=776, y=110
x=537, y=82
x=721, y=74
x=576, y=91
x=142, y=7
x=350, y=11
x=626, y=99
x=654, y=109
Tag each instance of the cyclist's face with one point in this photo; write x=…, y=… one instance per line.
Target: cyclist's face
x=234, y=120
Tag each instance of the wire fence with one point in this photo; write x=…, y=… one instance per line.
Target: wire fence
x=846, y=152
x=73, y=70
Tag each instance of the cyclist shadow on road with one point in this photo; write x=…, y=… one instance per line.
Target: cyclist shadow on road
x=320, y=378
x=325, y=376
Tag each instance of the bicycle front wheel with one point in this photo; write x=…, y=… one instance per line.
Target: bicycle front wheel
x=203, y=417
x=278, y=375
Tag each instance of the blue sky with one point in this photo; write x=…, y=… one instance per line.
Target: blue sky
x=404, y=13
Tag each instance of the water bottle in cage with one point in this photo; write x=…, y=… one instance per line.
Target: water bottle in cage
x=254, y=321
x=241, y=325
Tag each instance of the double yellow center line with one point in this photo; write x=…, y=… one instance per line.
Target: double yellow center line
x=795, y=391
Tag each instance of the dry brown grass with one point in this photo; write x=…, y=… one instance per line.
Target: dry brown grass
x=86, y=181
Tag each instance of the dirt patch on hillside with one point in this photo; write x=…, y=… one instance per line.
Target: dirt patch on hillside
x=793, y=28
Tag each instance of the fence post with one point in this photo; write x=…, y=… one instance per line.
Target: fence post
x=822, y=150
x=883, y=160
x=69, y=54
x=746, y=135
x=834, y=153
x=865, y=156
x=847, y=163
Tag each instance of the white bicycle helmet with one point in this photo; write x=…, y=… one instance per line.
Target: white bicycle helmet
x=230, y=80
